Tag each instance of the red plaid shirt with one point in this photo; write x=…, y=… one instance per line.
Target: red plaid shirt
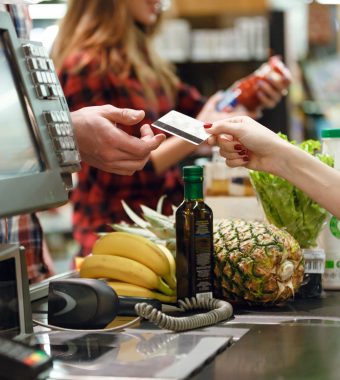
x=26, y=231
x=97, y=198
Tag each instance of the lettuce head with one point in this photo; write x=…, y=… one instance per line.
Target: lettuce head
x=288, y=207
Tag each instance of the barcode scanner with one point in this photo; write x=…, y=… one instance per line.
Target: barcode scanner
x=80, y=303
x=89, y=304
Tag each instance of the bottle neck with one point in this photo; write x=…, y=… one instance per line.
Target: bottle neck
x=193, y=190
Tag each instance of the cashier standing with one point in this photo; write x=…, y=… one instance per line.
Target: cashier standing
x=106, y=147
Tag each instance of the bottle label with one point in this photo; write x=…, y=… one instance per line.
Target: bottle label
x=334, y=226
x=229, y=100
x=203, y=254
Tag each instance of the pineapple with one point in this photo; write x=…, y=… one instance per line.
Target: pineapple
x=255, y=262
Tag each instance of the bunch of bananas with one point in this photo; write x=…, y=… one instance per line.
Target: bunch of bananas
x=133, y=266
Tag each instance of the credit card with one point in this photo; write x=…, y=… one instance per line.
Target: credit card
x=183, y=126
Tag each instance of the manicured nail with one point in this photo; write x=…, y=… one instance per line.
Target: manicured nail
x=238, y=147
x=207, y=125
x=242, y=152
x=245, y=158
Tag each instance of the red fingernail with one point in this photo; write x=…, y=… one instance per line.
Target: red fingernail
x=207, y=125
x=242, y=152
x=238, y=147
x=245, y=158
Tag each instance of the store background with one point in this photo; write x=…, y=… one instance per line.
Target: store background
x=220, y=42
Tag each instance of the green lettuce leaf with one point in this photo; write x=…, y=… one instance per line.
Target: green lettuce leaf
x=288, y=207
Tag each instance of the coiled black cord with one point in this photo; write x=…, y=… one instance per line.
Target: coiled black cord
x=218, y=311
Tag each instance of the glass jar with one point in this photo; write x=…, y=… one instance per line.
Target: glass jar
x=312, y=284
x=329, y=238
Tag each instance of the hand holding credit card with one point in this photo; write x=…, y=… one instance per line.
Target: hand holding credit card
x=183, y=126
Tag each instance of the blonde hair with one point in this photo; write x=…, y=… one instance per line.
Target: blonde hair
x=105, y=30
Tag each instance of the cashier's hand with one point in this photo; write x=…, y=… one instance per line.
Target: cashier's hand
x=106, y=147
x=245, y=142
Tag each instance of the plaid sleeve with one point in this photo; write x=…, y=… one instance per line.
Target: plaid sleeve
x=26, y=231
x=86, y=87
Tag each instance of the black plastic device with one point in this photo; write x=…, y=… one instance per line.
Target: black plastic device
x=81, y=303
x=15, y=306
x=19, y=361
x=127, y=305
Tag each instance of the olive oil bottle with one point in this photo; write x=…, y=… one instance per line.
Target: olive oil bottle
x=194, y=239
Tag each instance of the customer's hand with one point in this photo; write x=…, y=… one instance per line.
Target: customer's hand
x=209, y=112
x=245, y=142
x=106, y=147
x=270, y=92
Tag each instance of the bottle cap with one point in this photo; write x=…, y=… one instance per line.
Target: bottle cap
x=330, y=133
x=193, y=173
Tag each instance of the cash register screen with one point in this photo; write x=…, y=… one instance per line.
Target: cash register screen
x=18, y=153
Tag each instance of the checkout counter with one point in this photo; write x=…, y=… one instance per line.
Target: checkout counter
x=295, y=341
x=298, y=340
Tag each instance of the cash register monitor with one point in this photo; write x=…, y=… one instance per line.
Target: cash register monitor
x=38, y=151
x=38, y=154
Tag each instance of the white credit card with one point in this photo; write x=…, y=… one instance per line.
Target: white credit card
x=183, y=126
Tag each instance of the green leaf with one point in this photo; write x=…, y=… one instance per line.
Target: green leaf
x=288, y=207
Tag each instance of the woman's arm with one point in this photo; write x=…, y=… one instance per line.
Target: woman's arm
x=244, y=142
x=170, y=153
x=318, y=180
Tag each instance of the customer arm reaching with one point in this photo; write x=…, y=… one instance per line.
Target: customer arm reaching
x=245, y=142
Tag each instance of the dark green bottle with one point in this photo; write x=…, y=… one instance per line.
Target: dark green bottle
x=194, y=239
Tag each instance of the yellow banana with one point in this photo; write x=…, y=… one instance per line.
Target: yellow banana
x=122, y=269
x=131, y=290
x=133, y=247
x=169, y=278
